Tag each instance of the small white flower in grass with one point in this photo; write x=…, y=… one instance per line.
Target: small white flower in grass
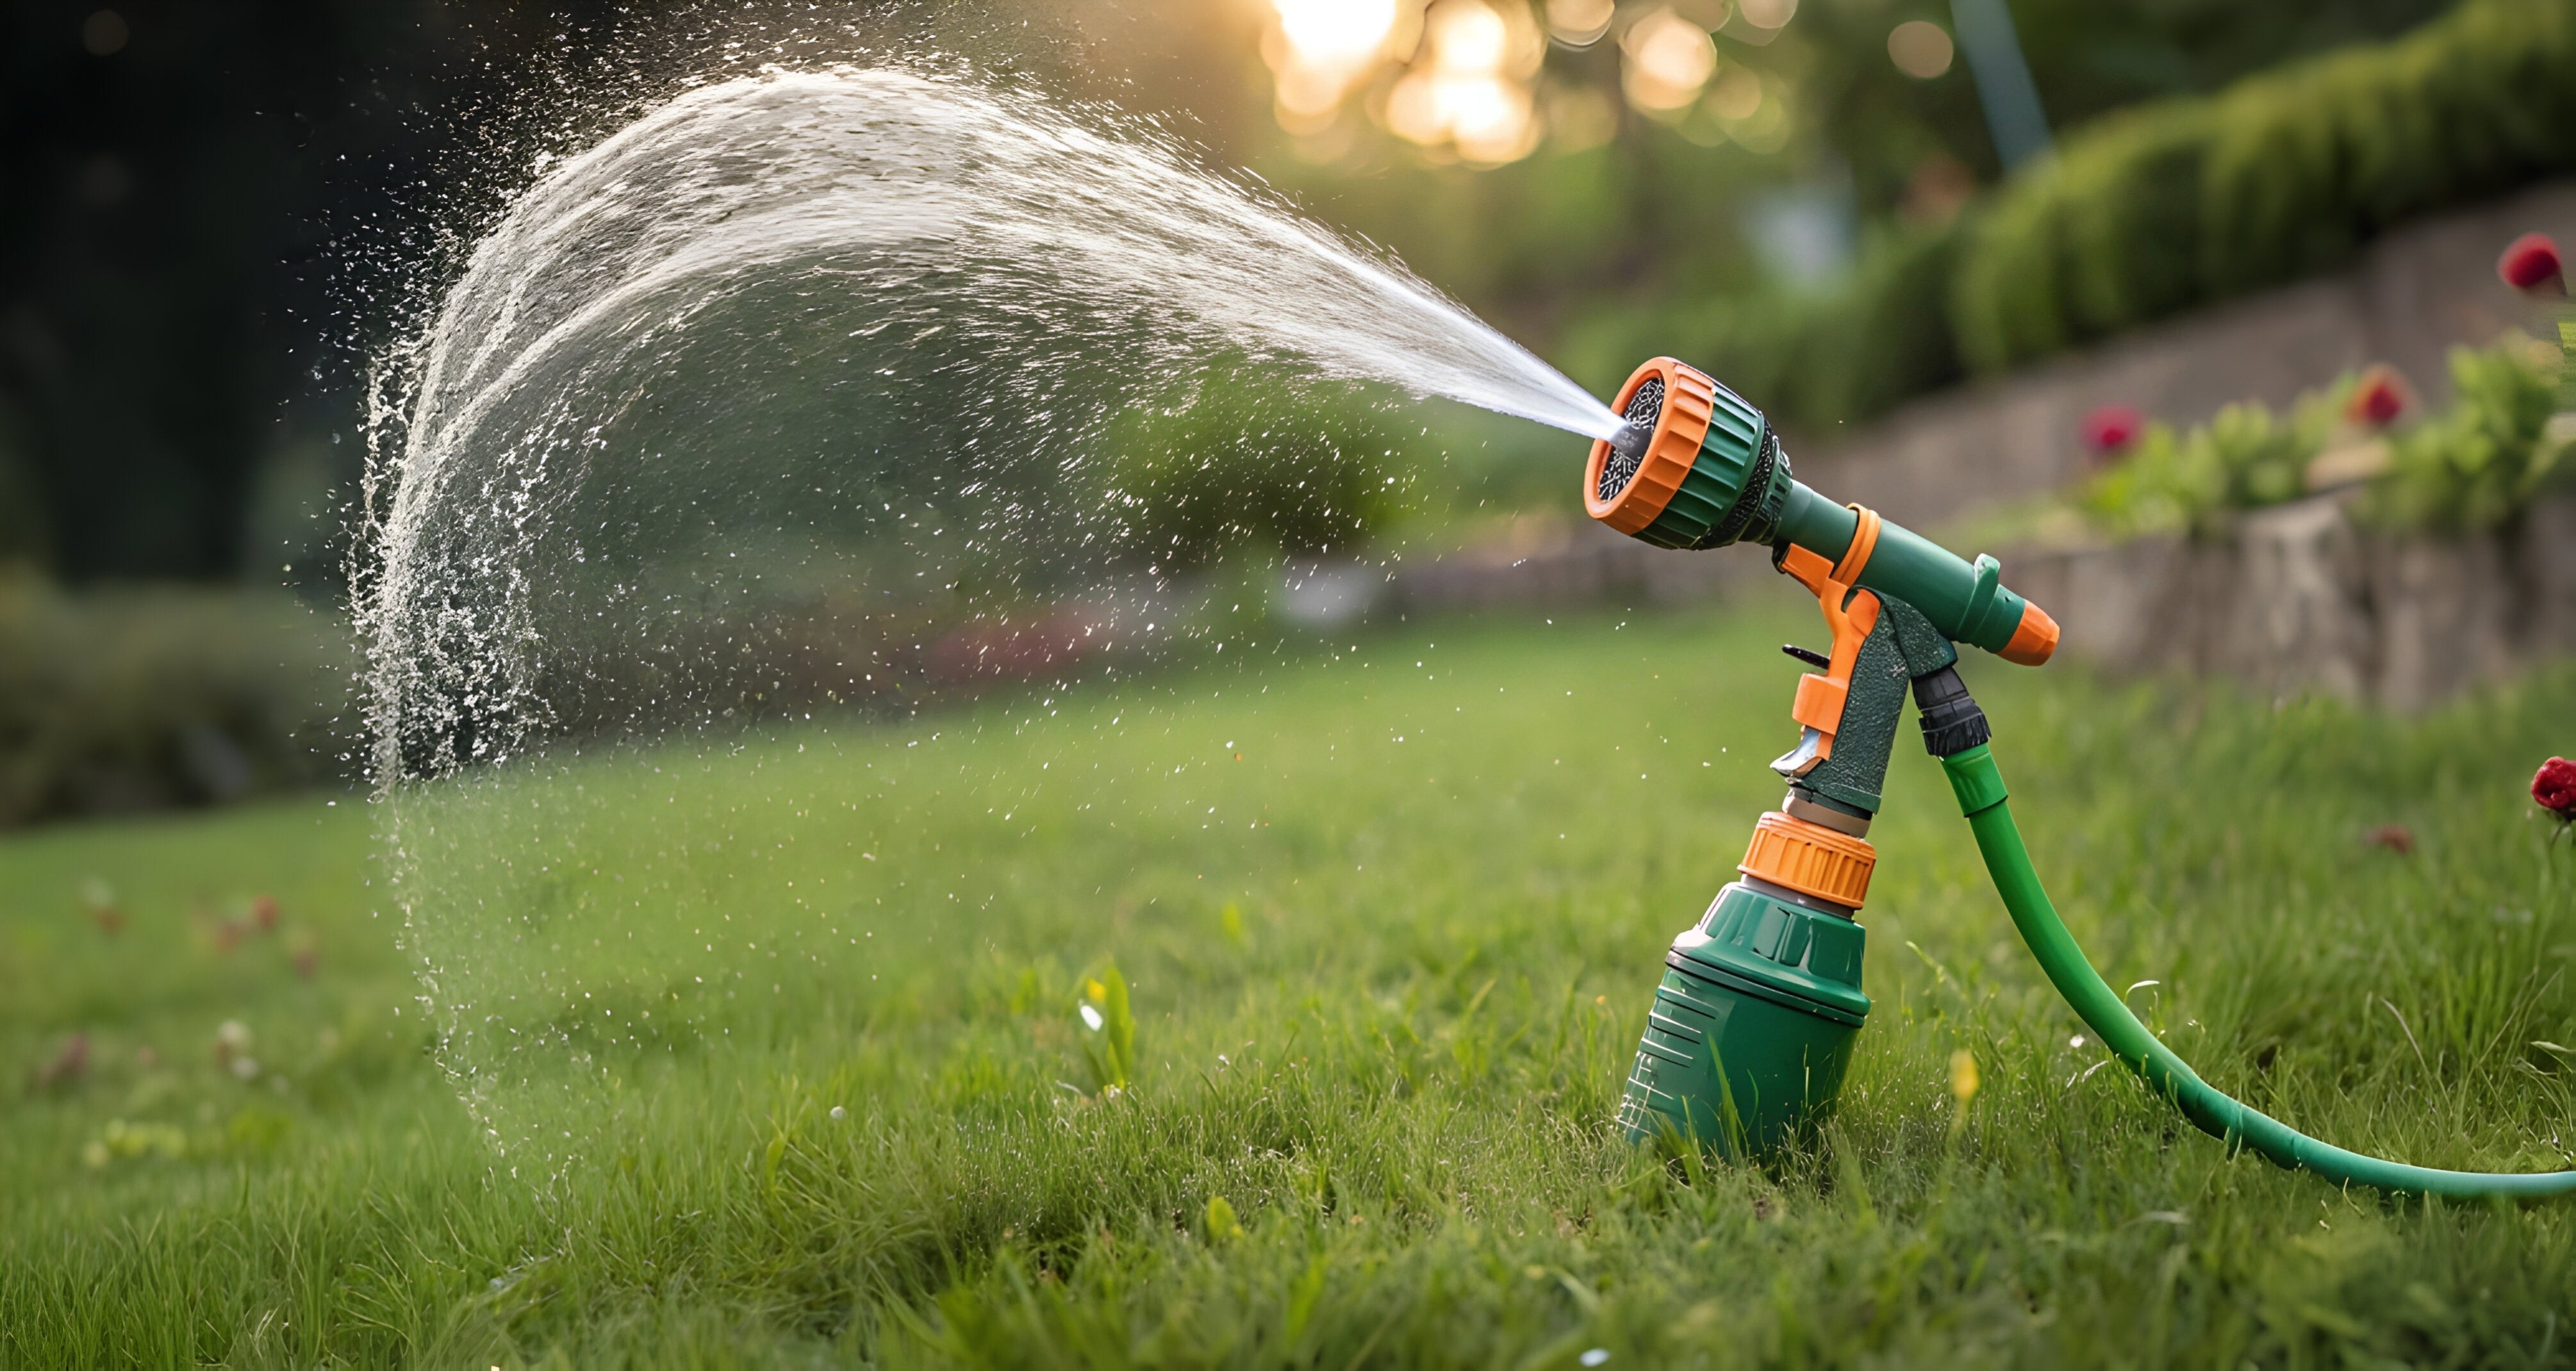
x=838, y=1113
x=2076, y=1041
x=1595, y=1357
x=1091, y=1018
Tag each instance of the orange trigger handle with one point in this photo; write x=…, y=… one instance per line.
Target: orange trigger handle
x=1849, y=613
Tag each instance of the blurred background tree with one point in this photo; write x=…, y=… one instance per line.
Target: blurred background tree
x=217, y=211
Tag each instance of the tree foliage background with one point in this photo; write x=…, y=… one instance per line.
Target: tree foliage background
x=214, y=213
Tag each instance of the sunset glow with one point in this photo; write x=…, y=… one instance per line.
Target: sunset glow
x=1467, y=89
x=1335, y=33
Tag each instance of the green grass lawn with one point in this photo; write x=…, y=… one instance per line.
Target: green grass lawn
x=770, y=1054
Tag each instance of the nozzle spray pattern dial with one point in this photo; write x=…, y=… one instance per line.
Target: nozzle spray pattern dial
x=1704, y=449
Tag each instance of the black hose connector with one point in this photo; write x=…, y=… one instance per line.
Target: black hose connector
x=1952, y=722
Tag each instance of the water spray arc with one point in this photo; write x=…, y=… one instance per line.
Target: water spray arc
x=1761, y=1001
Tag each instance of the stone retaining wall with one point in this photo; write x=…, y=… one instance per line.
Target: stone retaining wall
x=2301, y=598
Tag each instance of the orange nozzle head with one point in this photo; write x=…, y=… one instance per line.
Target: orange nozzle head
x=1675, y=400
x=2034, y=641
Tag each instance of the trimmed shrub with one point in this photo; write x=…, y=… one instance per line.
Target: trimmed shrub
x=126, y=700
x=2142, y=214
x=2155, y=209
x=1235, y=463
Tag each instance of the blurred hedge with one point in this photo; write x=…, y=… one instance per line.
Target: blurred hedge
x=2155, y=209
x=2144, y=213
x=1814, y=360
x=1241, y=459
x=117, y=701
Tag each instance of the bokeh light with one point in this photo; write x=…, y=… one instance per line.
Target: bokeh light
x=1768, y=14
x=1318, y=50
x=1470, y=89
x=1580, y=23
x=103, y=34
x=1920, y=48
x=1766, y=128
x=1669, y=61
x=1581, y=117
x=1343, y=33
x=1736, y=95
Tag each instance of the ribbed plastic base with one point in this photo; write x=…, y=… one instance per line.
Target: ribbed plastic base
x=1752, y=1027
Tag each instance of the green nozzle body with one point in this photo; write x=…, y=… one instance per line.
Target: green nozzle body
x=1710, y=472
x=1966, y=601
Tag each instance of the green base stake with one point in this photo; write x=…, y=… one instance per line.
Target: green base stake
x=1752, y=1027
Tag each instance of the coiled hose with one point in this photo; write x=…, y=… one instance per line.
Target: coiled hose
x=1982, y=799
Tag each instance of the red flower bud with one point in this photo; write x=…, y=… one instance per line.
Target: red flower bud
x=2553, y=788
x=2530, y=264
x=2110, y=429
x=2378, y=399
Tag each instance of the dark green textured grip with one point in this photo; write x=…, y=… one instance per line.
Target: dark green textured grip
x=1857, y=772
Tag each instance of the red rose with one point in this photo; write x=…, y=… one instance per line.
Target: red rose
x=2530, y=264
x=2378, y=399
x=2110, y=429
x=2553, y=788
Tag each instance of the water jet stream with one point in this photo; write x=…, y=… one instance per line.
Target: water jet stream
x=738, y=416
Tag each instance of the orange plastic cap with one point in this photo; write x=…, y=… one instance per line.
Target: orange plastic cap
x=1810, y=858
x=2034, y=641
x=1689, y=398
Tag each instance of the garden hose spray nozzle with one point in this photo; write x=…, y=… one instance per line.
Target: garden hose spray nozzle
x=1693, y=466
x=1754, y=1022
x=1761, y=999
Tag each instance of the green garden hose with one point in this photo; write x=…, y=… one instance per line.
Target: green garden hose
x=1982, y=798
